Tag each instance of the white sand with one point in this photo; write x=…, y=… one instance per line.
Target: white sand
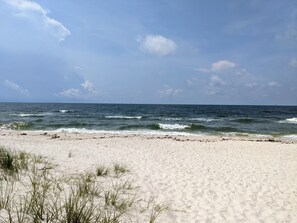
x=202, y=179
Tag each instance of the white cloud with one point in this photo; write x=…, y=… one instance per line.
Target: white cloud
x=86, y=92
x=216, y=80
x=218, y=66
x=168, y=91
x=293, y=62
x=273, y=84
x=27, y=7
x=78, y=68
x=89, y=87
x=157, y=45
x=58, y=30
x=192, y=81
x=251, y=85
x=16, y=87
x=71, y=93
x=222, y=65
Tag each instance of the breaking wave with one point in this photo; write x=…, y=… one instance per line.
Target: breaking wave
x=32, y=115
x=15, y=125
x=173, y=126
x=203, y=119
x=289, y=120
x=122, y=117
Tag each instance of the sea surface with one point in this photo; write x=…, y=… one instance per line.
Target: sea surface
x=275, y=121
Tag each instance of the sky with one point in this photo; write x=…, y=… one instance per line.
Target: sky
x=149, y=51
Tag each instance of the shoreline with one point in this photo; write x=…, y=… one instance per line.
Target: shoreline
x=179, y=136
x=201, y=178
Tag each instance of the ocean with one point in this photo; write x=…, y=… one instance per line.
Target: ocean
x=274, y=121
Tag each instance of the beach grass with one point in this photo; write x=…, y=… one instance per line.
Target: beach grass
x=101, y=170
x=119, y=169
x=37, y=194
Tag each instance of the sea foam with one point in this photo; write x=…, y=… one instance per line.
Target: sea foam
x=173, y=126
x=122, y=117
x=171, y=119
x=32, y=115
x=203, y=119
x=14, y=125
x=289, y=120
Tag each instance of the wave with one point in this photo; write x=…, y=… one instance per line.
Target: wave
x=120, y=132
x=289, y=137
x=173, y=126
x=244, y=120
x=203, y=119
x=64, y=111
x=77, y=130
x=137, y=127
x=15, y=125
x=122, y=117
x=179, y=127
x=289, y=120
x=198, y=127
x=32, y=115
x=170, y=119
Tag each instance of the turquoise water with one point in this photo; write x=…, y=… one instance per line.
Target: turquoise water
x=167, y=119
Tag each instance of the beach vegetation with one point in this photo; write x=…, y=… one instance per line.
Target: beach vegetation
x=7, y=161
x=12, y=163
x=6, y=195
x=102, y=171
x=39, y=195
x=119, y=169
x=156, y=211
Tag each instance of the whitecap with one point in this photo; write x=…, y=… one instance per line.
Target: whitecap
x=173, y=126
x=171, y=119
x=203, y=119
x=63, y=111
x=122, y=117
x=126, y=132
x=32, y=115
x=289, y=120
x=289, y=137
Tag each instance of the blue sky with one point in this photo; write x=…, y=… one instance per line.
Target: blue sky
x=149, y=51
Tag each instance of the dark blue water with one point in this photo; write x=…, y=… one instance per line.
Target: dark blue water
x=174, y=119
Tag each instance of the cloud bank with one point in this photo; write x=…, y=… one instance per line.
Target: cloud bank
x=33, y=9
x=157, y=45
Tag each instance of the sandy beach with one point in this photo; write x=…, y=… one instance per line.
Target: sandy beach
x=201, y=179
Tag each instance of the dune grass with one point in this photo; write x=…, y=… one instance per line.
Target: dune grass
x=30, y=191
